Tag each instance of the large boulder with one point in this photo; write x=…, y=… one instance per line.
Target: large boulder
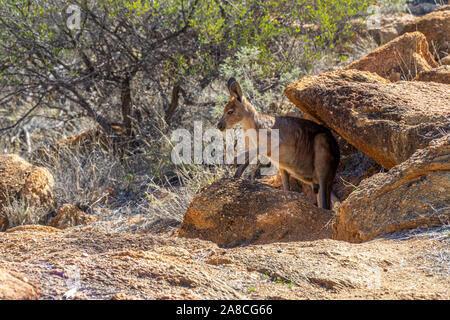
x=436, y=28
x=232, y=212
x=399, y=59
x=21, y=180
x=16, y=286
x=441, y=75
x=387, y=121
x=411, y=195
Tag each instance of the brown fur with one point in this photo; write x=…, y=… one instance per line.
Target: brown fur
x=307, y=151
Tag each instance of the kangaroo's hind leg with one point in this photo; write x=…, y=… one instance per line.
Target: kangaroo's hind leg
x=315, y=188
x=254, y=171
x=323, y=169
x=285, y=179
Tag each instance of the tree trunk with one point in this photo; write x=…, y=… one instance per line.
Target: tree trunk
x=174, y=102
x=126, y=105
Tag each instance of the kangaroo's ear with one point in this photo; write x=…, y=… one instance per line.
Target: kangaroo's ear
x=235, y=88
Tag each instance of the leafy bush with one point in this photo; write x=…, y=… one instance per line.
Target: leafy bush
x=162, y=49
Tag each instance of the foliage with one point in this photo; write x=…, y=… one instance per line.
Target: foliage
x=168, y=50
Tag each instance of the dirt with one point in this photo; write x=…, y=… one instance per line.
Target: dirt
x=89, y=263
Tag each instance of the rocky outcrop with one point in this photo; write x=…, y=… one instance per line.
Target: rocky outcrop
x=436, y=28
x=21, y=180
x=411, y=195
x=69, y=216
x=399, y=59
x=441, y=75
x=16, y=286
x=387, y=121
x=232, y=212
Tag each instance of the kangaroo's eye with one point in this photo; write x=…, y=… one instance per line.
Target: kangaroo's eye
x=230, y=111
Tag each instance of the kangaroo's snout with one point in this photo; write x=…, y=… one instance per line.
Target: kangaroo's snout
x=221, y=125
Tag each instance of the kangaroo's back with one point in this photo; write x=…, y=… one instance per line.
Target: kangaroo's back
x=301, y=133
x=308, y=152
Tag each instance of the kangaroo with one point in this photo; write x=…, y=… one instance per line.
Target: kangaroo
x=307, y=150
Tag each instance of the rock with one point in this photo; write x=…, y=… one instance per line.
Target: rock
x=275, y=181
x=422, y=8
x=284, y=108
x=443, y=7
x=446, y=60
x=387, y=121
x=411, y=195
x=390, y=27
x=401, y=58
x=440, y=74
x=436, y=28
x=232, y=212
x=16, y=286
x=70, y=216
x=21, y=180
x=387, y=34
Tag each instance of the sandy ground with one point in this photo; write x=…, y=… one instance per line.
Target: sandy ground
x=91, y=263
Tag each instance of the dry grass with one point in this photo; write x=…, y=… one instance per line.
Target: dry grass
x=139, y=192
x=22, y=211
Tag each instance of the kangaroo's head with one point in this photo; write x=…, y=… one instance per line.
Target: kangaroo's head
x=234, y=110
